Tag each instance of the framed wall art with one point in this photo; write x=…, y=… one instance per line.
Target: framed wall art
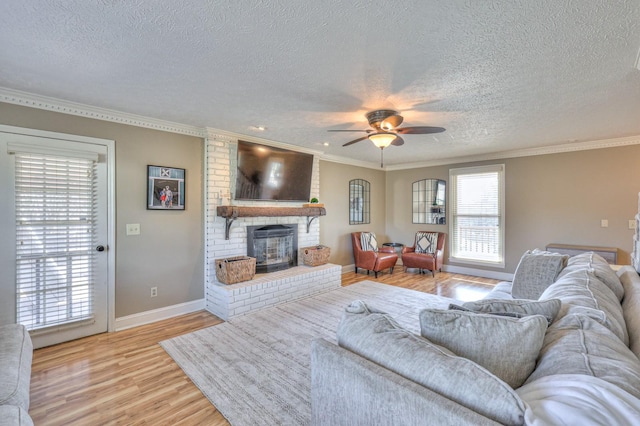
x=165, y=188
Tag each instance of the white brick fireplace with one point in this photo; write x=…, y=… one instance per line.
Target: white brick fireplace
x=220, y=158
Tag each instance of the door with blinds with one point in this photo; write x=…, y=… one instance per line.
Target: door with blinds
x=58, y=226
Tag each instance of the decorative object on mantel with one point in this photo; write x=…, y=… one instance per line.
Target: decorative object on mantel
x=315, y=255
x=236, y=269
x=313, y=203
x=231, y=213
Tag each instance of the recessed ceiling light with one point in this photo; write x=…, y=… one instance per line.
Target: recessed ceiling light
x=326, y=144
x=258, y=128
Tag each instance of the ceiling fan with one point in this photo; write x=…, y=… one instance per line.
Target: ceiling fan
x=385, y=130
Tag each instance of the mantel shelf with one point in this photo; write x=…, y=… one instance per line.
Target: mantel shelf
x=231, y=213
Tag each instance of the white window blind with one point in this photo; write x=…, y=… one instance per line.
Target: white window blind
x=55, y=241
x=477, y=213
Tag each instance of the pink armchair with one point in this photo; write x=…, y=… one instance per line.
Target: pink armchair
x=384, y=258
x=429, y=261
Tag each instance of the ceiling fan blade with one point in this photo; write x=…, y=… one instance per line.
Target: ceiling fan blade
x=368, y=131
x=398, y=141
x=419, y=130
x=355, y=140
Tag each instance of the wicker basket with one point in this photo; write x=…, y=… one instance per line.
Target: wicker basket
x=316, y=255
x=235, y=269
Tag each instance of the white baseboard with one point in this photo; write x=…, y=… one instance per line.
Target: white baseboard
x=503, y=276
x=348, y=268
x=154, y=315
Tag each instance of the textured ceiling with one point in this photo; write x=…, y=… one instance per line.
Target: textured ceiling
x=498, y=75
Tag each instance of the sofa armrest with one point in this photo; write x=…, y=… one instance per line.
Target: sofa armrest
x=347, y=389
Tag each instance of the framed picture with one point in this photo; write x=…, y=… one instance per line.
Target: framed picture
x=165, y=188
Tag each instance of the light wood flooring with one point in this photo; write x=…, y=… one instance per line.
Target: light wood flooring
x=126, y=378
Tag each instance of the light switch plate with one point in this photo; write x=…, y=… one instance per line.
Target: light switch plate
x=133, y=229
x=604, y=223
x=632, y=224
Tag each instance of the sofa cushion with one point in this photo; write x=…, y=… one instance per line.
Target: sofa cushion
x=631, y=306
x=502, y=290
x=376, y=336
x=536, y=271
x=507, y=347
x=426, y=242
x=582, y=292
x=578, y=344
x=12, y=415
x=600, y=268
x=547, y=308
x=16, y=351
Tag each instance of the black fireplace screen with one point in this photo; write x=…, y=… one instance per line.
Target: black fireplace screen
x=275, y=247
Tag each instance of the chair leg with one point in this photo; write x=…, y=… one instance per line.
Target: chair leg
x=356, y=270
x=367, y=272
x=376, y=272
x=391, y=270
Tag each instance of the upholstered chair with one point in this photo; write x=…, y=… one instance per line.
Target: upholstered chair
x=376, y=261
x=426, y=253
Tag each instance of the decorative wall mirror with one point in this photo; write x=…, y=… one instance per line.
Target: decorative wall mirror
x=429, y=196
x=359, y=201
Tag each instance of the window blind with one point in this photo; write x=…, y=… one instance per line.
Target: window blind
x=55, y=239
x=477, y=214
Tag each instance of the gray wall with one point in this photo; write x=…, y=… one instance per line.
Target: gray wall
x=335, y=230
x=555, y=198
x=168, y=253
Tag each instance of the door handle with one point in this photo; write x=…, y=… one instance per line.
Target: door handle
x=100, y=248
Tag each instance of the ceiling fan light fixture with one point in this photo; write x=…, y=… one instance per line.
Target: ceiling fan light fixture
x=382, y=139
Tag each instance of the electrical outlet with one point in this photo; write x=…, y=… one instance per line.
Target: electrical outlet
x=632, y=224
x=154, y=291
x=133, y=229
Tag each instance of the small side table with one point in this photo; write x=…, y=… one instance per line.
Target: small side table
x=398, y=248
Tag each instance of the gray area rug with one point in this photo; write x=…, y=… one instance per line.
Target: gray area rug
x=255, y=369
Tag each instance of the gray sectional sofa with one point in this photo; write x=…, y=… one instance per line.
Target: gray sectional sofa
x=16, y=352
x=568, y=353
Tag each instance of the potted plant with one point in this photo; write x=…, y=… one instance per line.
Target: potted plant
x=314, y=202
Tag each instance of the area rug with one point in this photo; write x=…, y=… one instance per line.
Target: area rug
x=255, y=369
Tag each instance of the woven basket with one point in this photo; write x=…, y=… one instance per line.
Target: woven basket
x=235, y=269
x=316, y=255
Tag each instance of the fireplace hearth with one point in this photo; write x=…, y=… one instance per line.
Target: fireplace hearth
x=275, y=247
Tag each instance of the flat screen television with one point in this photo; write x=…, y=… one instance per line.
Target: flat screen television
x=269, y=173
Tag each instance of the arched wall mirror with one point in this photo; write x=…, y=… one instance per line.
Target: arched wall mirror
x=359, y=201
x=429, y=196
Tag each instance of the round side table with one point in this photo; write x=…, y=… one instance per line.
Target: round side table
x=398, y=248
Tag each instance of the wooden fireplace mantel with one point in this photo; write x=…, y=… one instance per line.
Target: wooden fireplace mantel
x=231, y=213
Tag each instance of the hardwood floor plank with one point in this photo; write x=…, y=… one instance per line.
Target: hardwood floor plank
x=126, y=378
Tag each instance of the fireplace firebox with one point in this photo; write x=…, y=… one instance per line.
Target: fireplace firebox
x=275, y=247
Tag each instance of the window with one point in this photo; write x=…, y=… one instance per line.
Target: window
x=477, y=215
x=54, y=201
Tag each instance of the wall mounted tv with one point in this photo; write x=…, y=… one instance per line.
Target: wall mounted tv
x=269, y=173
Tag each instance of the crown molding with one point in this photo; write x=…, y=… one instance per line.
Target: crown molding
x=351, y=162
x=528, y=152
x=18, y=97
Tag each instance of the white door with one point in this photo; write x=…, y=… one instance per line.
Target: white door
x=56, y=234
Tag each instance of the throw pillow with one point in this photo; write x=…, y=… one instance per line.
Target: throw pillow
x=536, y=271
x=507, y=347
x=547, y=308
x=375, y=336
x=426, y=242
x=368, y=241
